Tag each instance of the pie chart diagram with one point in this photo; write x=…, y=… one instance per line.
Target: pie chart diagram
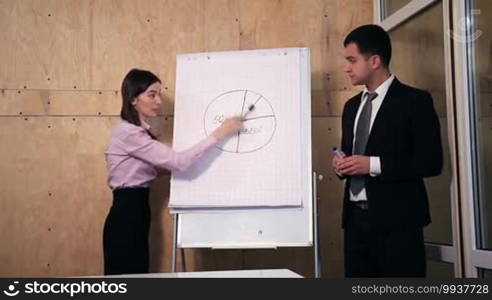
x=259, y=123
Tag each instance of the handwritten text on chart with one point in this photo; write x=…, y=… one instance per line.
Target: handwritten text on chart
x=219, y=119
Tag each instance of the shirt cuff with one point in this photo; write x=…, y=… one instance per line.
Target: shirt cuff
x=374, y=166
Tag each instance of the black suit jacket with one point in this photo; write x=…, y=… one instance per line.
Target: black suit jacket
x=406, y=136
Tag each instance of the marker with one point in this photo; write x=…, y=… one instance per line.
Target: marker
x=250, y=108
x=337, y=152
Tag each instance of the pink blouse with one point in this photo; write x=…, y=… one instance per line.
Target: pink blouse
x=133, y=158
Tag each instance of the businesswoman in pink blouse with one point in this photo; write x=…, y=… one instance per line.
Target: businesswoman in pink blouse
x=134, y=157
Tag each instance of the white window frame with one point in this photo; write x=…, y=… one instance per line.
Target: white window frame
x=401, y=15
x=464, y=58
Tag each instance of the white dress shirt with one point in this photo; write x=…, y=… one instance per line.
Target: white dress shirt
x=374, y=162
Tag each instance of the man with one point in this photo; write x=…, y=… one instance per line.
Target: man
x=390, y=141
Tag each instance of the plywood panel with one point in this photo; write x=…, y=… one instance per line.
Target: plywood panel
x=327, y=134
x=128, y=34
x=340, y=17
x=221, y=25
x=329, y=103
x=92, y=103
x=56, y=195
x=125, y=35
x=7, y=35
x=272, y=24
x=69, y=103
x=22, y=102
x=48, y=44
x=52, y=102
x=279, y=24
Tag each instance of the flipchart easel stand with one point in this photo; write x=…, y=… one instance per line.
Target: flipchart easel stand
x=316, y=243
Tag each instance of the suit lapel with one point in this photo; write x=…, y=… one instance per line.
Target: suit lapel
x=383, y=112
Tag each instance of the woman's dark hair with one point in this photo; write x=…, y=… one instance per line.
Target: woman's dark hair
x=135, y=82
x=371, y=40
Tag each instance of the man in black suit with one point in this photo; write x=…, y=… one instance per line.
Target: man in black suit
x=390, y=141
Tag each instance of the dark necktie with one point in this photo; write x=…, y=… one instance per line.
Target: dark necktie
x=361, y=137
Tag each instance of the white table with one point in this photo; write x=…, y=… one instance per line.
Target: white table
x=267, y=273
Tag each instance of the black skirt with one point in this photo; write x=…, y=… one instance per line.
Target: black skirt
x=126, y=232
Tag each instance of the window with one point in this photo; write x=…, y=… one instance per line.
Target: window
x=480, y=46
x=391, y=6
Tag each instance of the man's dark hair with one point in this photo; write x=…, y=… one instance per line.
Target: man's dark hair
x=371, y=40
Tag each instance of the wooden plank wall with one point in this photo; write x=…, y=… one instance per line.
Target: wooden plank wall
x=62, y=62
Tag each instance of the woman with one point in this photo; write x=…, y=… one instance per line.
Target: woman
x=134, y=157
